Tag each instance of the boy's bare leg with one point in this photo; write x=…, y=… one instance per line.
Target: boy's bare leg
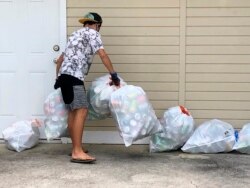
x=76, y=124
x=70, y=124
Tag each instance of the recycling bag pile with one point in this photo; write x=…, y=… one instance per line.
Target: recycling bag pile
x=98, y=96
x=22, y=135
x=243, y=143
x=56, y=115
x=211, y=137
x=178, y=126
x=134, y=115
x=135, y=119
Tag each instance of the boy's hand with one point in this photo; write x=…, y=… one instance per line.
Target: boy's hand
x=115, y=79
x=56, y=85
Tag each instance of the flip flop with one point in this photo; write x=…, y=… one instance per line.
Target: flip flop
x=85, y=151
x=86, y=161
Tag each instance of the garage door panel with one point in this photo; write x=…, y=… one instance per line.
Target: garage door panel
x=37, y=92
x=125, y=12
x=124, y=3
x=9, y=62
x=135, y=31
x=7, y=44
x=8, y=95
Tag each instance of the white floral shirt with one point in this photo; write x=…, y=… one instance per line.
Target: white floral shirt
x=81, y=47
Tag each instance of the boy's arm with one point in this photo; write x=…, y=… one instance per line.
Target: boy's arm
x=58, y=64
x=107, y=63
x=105, y=60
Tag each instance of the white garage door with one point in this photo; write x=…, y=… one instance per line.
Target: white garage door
x=29, y=30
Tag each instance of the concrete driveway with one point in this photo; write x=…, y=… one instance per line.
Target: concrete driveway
x=48, y=165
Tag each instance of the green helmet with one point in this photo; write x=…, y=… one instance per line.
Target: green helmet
x=91, y=17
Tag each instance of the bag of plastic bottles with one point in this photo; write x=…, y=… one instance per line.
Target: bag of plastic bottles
x=178, y=126
x=92, y=115
x=134, y=115
x=243, y=143
x=213, y=136
x=22, y=135
x=56, y=115
x=99, y=96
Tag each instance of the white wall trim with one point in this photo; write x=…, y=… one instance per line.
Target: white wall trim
x=63, y=24
x=96, y=137
x=103, y=137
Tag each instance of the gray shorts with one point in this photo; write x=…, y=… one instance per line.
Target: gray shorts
x=80, y=98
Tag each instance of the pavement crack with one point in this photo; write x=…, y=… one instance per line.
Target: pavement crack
x=193, y=184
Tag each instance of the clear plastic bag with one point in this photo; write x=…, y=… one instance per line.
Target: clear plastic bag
x=56, y=115
x=134, y=115
x=178, y=126
x=213, y=136
x=22, y=135
x=92, y=115
x=243, y=143
x=99, y=96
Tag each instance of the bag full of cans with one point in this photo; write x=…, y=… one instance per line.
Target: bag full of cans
x=212, y=136
x=243, y=143
x=134, y=115
x=178, y=126
x=56, y=115
x=22, y=135
x=99, y=95
x=92, y=115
